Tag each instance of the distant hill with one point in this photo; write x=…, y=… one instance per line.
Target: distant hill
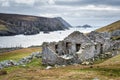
x=84, y=26
x=13, y=24
x=110, y=28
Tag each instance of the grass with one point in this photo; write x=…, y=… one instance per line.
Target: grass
x=3, y=27
x=29, y=18
x=112, y=62
x=32, y=66
x=109, y=72
x=110, y=28
x=62, y=73
x=115, y=38
x=99, y=61
x=105, y=70
x=3, y=50
x=18, y=54
x=35, y=63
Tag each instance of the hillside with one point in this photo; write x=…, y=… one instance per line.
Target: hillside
x=13, y=24
x=110, y=28
x=113, y=62
x=36, y=71
x=18, y=54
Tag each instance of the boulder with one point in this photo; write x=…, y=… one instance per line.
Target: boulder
x=48, y=67
x=116, y=33
x=85, y=63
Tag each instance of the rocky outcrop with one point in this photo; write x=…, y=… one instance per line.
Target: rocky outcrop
x=116, y=33
x=63, y=21
x=84, y=26
x=24, y=24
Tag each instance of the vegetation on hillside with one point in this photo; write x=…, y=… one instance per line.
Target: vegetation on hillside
x=2, y=27
x=112, y=62
x=110, y=28
x=115, y=38
x=108, y=69
x=29, y=25
x=18, y=54
x=2, y=50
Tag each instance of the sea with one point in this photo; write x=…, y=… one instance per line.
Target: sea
x=38, y=39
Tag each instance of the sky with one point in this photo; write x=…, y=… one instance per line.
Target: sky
x=75, y=12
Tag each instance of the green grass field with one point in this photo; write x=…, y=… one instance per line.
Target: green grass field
x=18, y=54
x=107, y=70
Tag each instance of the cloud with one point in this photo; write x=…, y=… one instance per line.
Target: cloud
x=98, y=8
x=51, y=2
x=88, y=2
x=5, y=4
x=28, y=2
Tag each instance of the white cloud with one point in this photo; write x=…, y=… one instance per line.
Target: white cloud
x=98, y=8
x=51, y=15
x=51, y=2
x=5, y=4
x=67, y=0
x=31, y=2
x=28, y=2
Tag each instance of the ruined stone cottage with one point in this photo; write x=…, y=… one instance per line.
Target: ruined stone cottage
x=75, y=48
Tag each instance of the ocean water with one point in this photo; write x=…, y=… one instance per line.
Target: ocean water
x=38, y=39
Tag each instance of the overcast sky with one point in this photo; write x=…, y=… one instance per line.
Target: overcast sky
x=76, y=12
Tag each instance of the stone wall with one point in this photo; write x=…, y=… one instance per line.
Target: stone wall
x=77, y=48
x=23, y=61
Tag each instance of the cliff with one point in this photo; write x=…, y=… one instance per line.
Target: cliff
x=13, y=24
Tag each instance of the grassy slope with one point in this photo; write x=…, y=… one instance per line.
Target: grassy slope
x=2, y=26
x=18, y=54
x=24, y=17
x=110, y=28
x=16, y=17
x=112, y=62
x=35, y=71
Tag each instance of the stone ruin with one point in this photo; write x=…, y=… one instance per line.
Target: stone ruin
x=23, y=61
x=76, y=48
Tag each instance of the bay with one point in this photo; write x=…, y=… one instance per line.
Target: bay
x=38, y=39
